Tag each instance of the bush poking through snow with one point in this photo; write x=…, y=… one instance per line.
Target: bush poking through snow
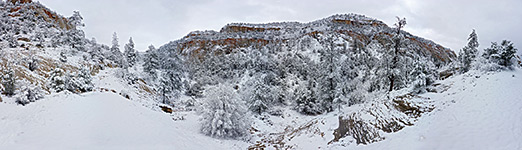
x=224, y=114
x=28, y=93
x=33, y=63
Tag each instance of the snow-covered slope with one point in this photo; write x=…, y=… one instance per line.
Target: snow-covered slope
x=99, y=120
x=479, y=111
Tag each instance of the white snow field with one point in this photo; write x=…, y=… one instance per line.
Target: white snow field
x=478, y=111
x=98, y=121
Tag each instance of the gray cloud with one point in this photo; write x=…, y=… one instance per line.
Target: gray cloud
x=157, y=22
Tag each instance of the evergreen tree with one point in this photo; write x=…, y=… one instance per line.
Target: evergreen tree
x=151, y=63
x=9, y=82
x=56, y=80
x=76, y=20
x=328, y=77
x=492, y=53
x=258, y=94
x=507, y=52
x=394, y=66
x=95, y=52
x=170, y=86
x=306, y=99
x=115, y=44
x=130, y=53
x=468, y=54
x=170, y=83
x=422, y=75
x=224, y=114
x=33, y=63
x=76, y=36
x=165, y=91
x=115, y=53
x=80, y=82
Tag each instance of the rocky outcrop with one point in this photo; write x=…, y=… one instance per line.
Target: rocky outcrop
x=365, y=125
x=18, y=8
x=19, y=1
x=356, y=29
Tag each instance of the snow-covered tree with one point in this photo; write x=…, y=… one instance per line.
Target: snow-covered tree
x=151, y=63
x=165, y=91
x=327, y=76
x=32, y=63
x=56, y=80
x=491, y=53
x=170, y=80
x=507, y=53
x=422, y=75
x=394, y=68
x=28, y=93
x=12, y=41
x=76, y=20
x=306, y=99
x=224, y=114
x=115, y=44
x=76, y=36
x=62, y=57
x=95, y=52
x=258, y=94
x=130, y=53
x=9, y=82
x=80, y=82
x=115, y=54
x=469, y=53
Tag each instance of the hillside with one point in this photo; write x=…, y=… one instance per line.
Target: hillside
x=312, y=67
x=344, y=81
x=352, y=31
x=475, y=113
x=471, y=113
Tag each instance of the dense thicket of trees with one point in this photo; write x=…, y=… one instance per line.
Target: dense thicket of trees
x=312, y=74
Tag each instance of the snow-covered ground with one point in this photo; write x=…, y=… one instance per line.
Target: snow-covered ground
x=478, y=111
x=99, y=121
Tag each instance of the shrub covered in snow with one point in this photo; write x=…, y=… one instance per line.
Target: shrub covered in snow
x=28, y=93
x=9, y=82
x=56, y=80
x=79, y=82
x=224, y=114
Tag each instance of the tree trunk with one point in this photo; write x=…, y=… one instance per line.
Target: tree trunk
x=391, y=83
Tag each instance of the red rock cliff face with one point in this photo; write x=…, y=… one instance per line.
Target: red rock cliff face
x=40, y=11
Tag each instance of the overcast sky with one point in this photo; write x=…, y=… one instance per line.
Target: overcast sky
x=447, y=22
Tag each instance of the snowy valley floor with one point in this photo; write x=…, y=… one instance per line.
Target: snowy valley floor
x=478, y=111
